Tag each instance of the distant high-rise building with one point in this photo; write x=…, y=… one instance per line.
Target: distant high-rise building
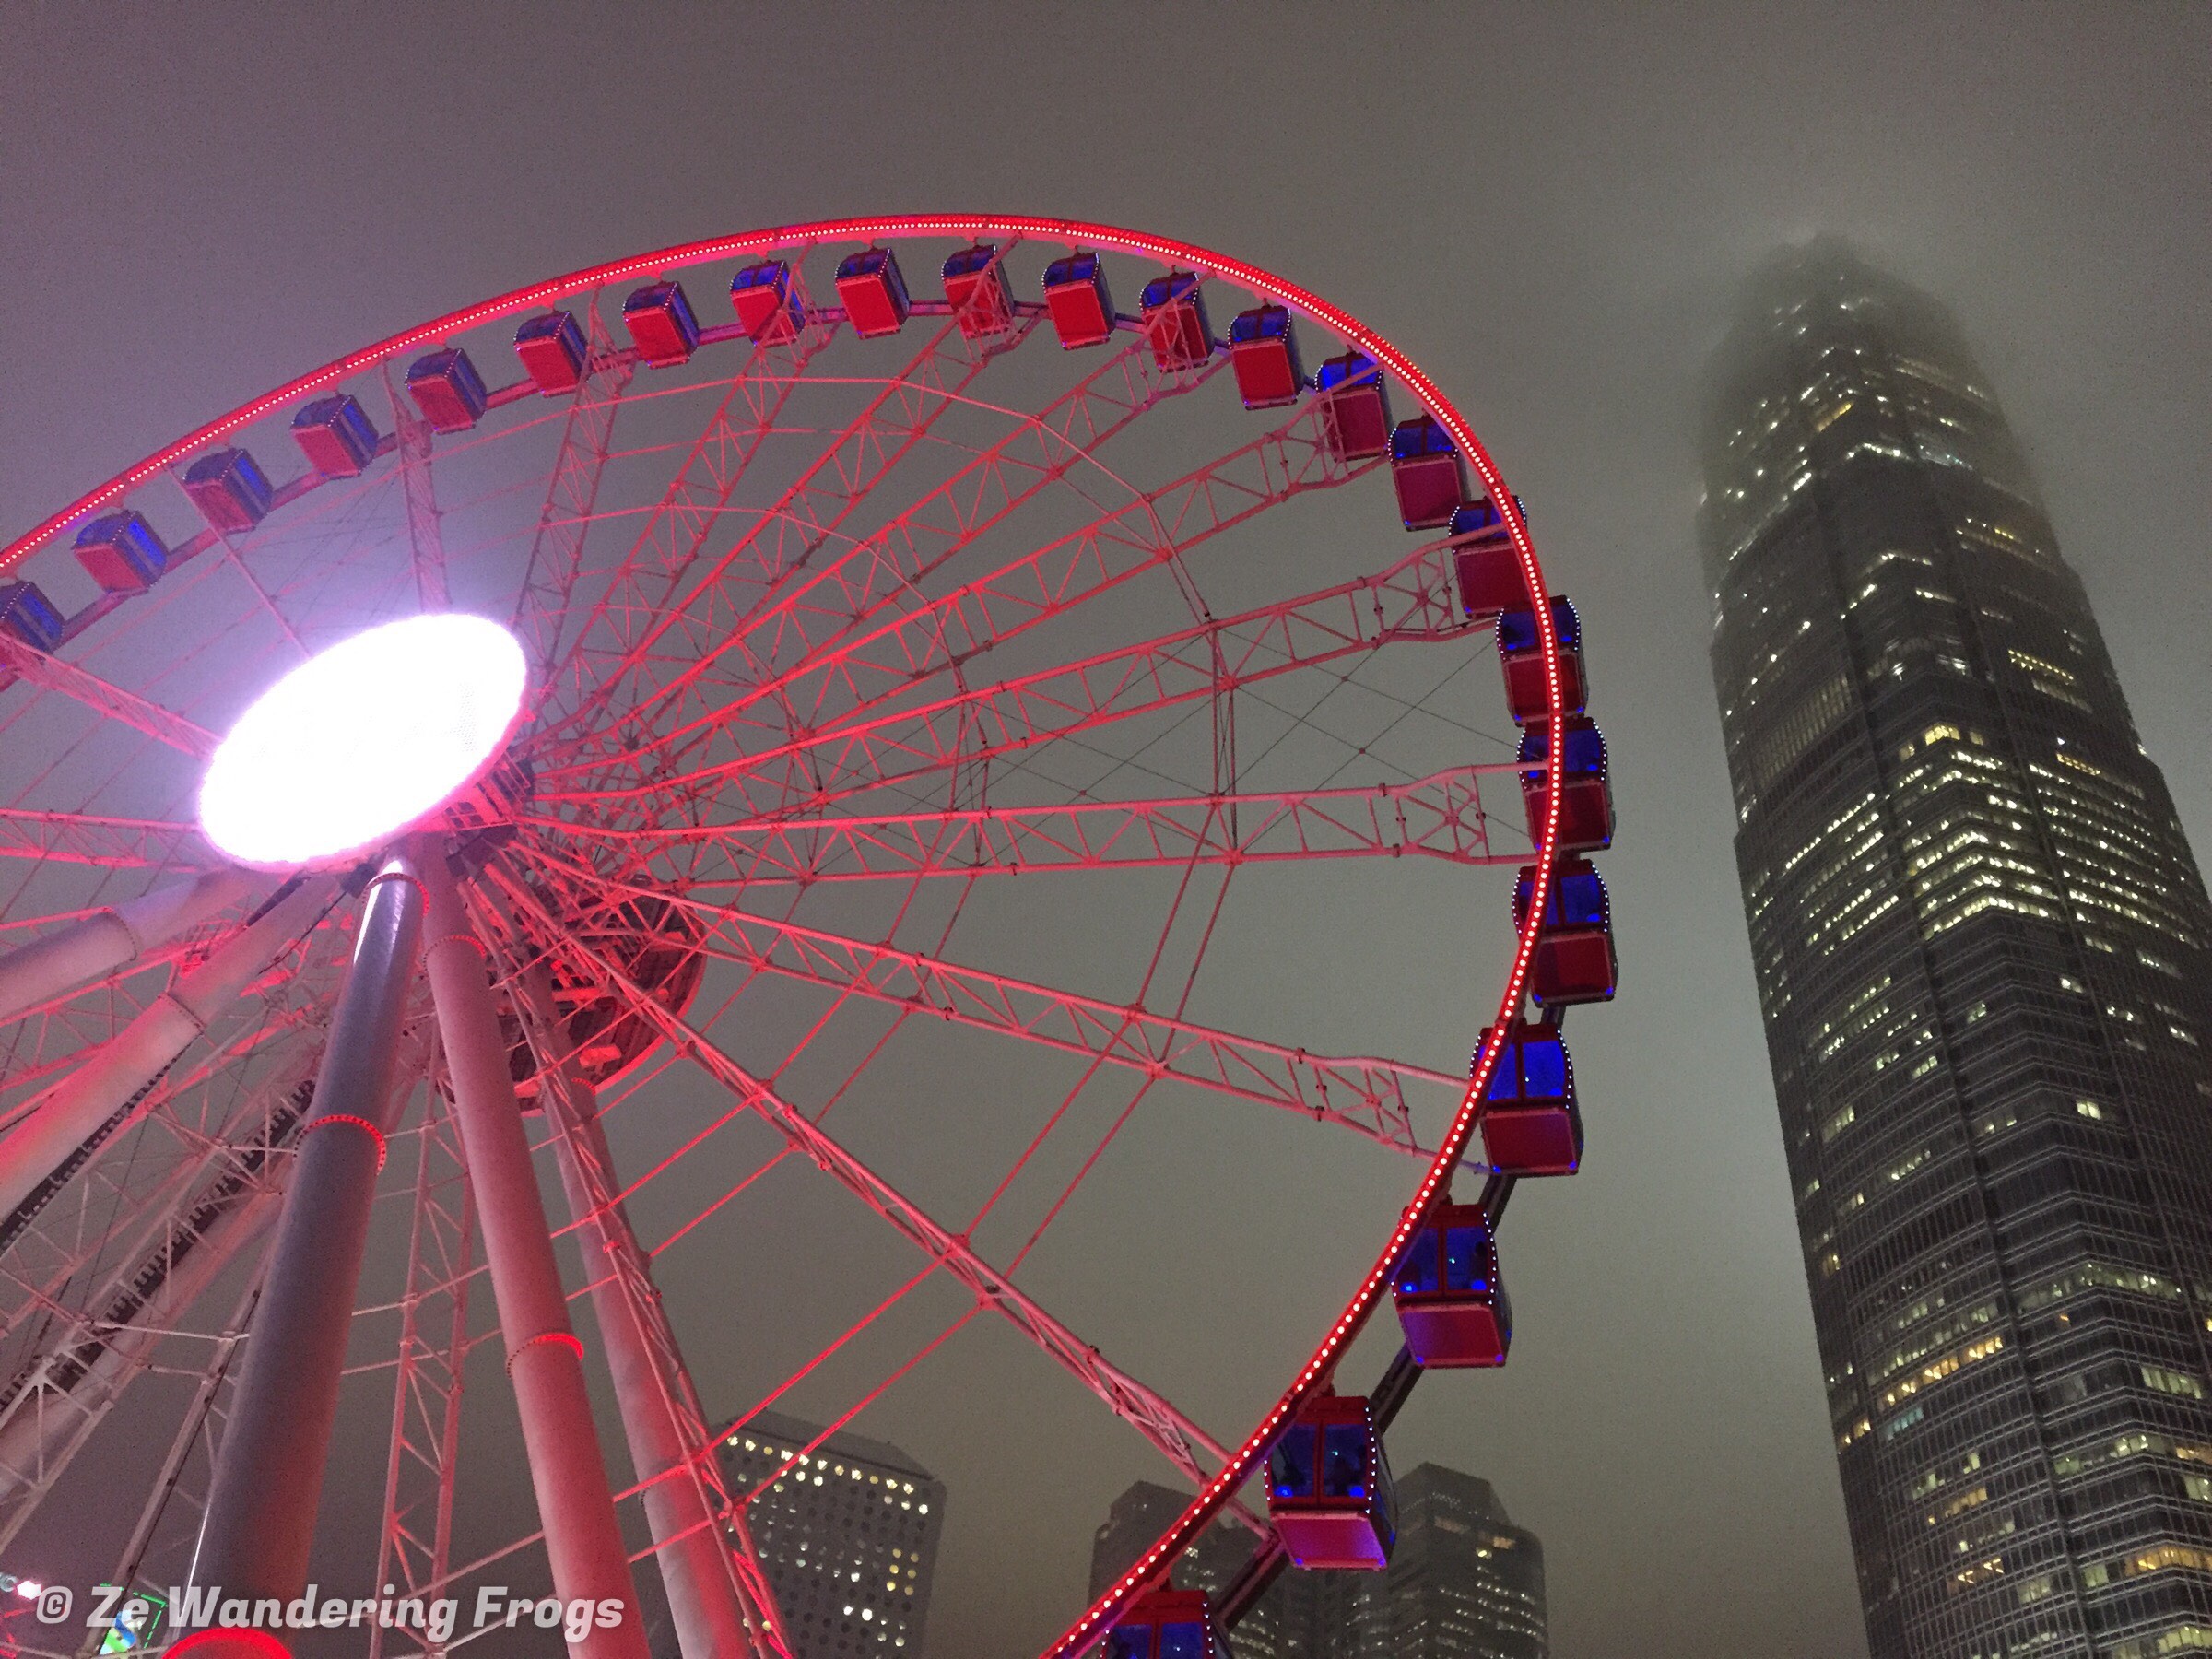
x=1464, y=1582
x=848, y=1538
x=1985, y=960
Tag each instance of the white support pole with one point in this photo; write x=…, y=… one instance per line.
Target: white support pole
x=697, y=1566
x=545, y=1361
x=111, y=938
x=61, y=1119
x=260, y=1517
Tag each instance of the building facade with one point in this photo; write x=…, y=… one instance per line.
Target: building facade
x=1981, y=946
x=1464, y=1582
x=848, y=1536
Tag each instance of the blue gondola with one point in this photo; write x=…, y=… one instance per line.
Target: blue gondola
x=1263, y=350
x=1330, y=1497
x=337, y=436
x=553, y=353
x=1168, y=1624
x=1574, y=961
x=1489, y=570
x=1076, y=297
x=447, y=389
x=27, y=613
x=1530, y=1125
x=122, y=553
x=1175, y=325
x=1432, y=479
x=1355, y=407
x=768, y=303
x=975, y=284
x=1520, y=653
x=1450, y=1299
x=874, y=292
x=1585, y=786
x=230, y=491
x=662, y=324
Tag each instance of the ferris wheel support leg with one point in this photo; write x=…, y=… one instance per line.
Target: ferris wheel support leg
x=260, y=1516
x=123, y=1068
x=110, y=939
x=545, y=1361
x=698, y=1568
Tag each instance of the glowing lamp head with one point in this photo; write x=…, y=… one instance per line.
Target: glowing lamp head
x=363, y=742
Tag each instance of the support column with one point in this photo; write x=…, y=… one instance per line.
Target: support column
x=260, y=1519
x=109, y=938
x=545, y=1361
x=109, y=1077
x=697, y=1566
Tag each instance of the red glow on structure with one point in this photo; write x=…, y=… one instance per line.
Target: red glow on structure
x=231, y=1645
x=1319, y=1367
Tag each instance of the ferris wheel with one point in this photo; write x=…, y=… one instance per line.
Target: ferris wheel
x=851, y=571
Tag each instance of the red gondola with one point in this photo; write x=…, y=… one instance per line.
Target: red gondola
x=1168, y=1624
x=1431, y=475
x=447, y=389
x=662, y=325
x=337, y=436
x=1329, y=1493
x=1263, y=350
x=1574, y=961
x=1175, y=325
x=1586, y=790
x=975, y=284
x=27, y=613
x=122, y=553
x=1520, y=653
x=551, y=347
x=1450, y=1299
x=230, y=491
x=1075, y=295
x=1490, y=570
x=1355, y=408
x=874, y=292
x=1530, y=1125
x=767, y=304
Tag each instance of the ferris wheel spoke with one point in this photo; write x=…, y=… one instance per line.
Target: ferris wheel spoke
x=34, y=668
x=1413, y=601
x=555, y=562
x=796, y=625
x=855, y=671
x=105, y=1337
x=112, y=843
x=649, y=575
x=415, y=1526
x=1366, y=1095
x=1442, y=816
x=785, y=537
x=426, y=537
x=1151, y=1413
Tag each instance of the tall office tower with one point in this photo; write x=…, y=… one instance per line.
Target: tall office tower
x=1464, y=1582
x=1981, y=952
x=848, y=1537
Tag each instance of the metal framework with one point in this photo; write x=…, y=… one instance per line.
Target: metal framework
x=830, y=636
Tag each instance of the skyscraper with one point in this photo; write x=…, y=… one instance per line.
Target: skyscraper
x=1981, y=946
x=848, y=1537
x=1464, y=1582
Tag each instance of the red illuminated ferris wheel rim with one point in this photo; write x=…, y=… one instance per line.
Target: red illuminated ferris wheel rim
x=1317, y=1372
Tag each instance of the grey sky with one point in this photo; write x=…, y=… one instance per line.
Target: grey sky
x=1548, y=207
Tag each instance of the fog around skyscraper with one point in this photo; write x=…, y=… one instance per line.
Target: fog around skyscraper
x=1981, y=947
x=1552, y=209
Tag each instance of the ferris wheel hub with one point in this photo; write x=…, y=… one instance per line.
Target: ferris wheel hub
x=363, y=741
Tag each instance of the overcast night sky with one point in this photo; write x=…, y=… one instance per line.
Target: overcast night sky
x=1549, y=208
